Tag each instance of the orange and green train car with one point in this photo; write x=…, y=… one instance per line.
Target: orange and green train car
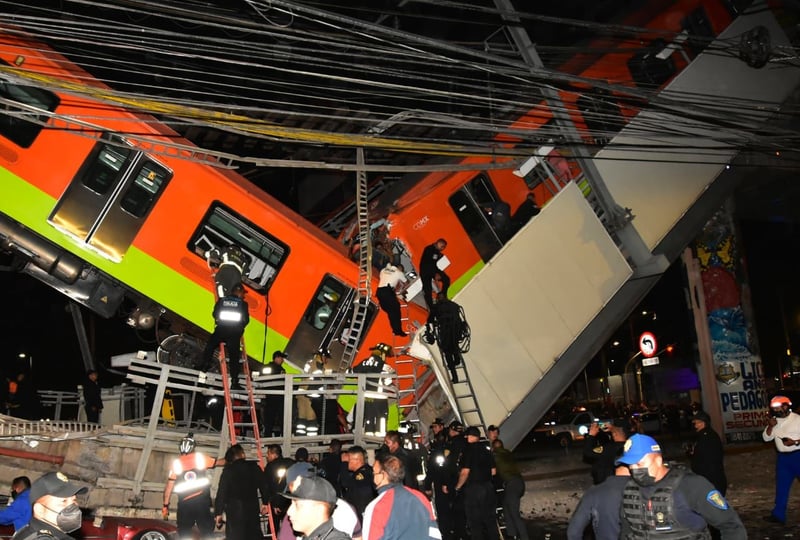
x=612, y=78
x=110, y=207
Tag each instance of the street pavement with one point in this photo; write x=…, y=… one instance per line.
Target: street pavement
x=556, y=478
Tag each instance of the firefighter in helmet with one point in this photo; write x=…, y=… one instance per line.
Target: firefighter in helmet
x=189, y=480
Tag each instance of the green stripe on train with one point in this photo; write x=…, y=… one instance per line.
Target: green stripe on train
x=138, y=270
x=465, y=278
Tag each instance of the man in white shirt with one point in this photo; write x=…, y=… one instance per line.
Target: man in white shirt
x=393, y=282
x=783, y=427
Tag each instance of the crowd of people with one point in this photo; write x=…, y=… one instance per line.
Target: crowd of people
x=451, y=490
x=636, y=492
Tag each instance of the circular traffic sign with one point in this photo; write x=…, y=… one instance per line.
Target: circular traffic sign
x=647, y=344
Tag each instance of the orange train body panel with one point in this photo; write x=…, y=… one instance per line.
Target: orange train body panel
x=56, y=156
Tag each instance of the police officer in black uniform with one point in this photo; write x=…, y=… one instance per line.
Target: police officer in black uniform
x=230, y=317
x=476, y=480
x=439, y=476
x=272, y=404
x=241, y=487
x=707, y=455
x=275, y=479
x=602, y=448
x=232, y=265
x=454, y=453
x=670, y=501
x=393, y=444
x=55, y=509
x=356, y=484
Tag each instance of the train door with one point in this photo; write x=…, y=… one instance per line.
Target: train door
x=325, y=320
x=470, y=204
x=110, y=197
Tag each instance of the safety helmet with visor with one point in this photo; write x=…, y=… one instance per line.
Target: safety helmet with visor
x=187, y=444
x=776, y=405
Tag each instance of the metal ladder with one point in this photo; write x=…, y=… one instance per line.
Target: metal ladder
x=231, y=408
x=250, y=407
x=466, y=404
x=362, y=299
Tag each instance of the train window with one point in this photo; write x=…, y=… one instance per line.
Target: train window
x=105, y=205
x=324, y=305
x=482, y=190
x=147, y=184
x=105, y=170
x=222, y=227
x=18, y=129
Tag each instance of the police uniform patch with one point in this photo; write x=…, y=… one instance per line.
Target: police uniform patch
x=446, y=452
x=717, y=500
x=359, y=476
x=597, y=449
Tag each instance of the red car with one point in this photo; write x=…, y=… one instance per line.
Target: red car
x=116, y=528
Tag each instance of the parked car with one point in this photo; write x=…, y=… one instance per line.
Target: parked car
x=647, y=422
x=569, y=428
x=115, y=528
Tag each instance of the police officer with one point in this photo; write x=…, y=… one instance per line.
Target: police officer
x=670, y=501
x=275, y=475
x=357, y=487
x=55, y=509
x=272, y=404
x=476, y=480
x=428, y=270
x=393, y=445
x=602, y=449
x=439, y=476
x=599, y=507
x=232, y=264
x=189, y=478
x=437, y=426
x=230, y=317
x=241, y=487
x=707, y=455
x=454, y=452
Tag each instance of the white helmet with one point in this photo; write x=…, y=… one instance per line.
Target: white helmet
x=187, y=444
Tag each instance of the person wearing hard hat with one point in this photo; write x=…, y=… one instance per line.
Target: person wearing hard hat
x=189, y=479
x=783, y=427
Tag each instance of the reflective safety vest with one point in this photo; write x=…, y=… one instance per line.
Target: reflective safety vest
x=655, y=517
x=190, y=472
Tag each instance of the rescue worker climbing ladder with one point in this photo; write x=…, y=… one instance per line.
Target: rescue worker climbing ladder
x=448, y=327
x=231, y=317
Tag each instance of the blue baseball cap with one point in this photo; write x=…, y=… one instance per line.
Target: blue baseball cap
x=636, y=448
